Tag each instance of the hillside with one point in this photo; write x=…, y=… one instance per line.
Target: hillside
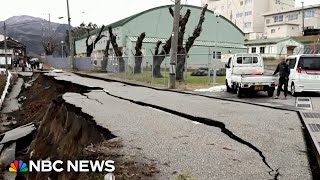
x=31, y=30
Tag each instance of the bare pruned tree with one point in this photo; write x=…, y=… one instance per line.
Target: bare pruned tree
x=91, y=46
x=182, y=51
x=49, y=45
x=104, y=64
x=138, y=55
x=117, y=50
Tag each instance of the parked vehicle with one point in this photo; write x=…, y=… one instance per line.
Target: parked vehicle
x=204, y=71
x=304, y=73
x=245, y=74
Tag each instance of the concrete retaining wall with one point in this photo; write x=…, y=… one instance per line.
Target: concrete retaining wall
x=5, y=91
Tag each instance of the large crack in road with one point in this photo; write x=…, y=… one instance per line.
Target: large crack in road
x=274, y=172
x=210, y=122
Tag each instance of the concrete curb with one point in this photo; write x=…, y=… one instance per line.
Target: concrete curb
x=183, y=92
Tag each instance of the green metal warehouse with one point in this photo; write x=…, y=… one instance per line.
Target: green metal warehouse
x=218, y=35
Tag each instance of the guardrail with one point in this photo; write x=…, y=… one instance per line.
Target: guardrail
x=5, y=91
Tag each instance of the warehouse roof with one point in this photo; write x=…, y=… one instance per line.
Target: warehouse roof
x=126, y=20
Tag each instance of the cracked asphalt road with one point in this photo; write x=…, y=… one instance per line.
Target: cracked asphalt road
x=179, y=144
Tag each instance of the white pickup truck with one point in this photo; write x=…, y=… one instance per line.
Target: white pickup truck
x=245, y=74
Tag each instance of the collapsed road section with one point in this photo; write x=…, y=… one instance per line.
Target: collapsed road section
x=272, y=145
x=61, y=132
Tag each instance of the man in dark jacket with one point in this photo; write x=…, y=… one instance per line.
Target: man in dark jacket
x=284, y=72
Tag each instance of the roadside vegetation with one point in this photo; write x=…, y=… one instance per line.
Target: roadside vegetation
x=2, y=83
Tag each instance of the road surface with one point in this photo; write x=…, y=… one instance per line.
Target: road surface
x=212, y=139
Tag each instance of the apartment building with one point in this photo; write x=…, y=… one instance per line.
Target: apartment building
x=290, y=22
x=248, y=15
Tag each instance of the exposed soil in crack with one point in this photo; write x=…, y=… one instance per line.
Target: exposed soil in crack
x=210, y=122
x=64, y=132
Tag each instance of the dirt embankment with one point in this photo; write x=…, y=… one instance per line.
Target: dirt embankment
x=65, y=133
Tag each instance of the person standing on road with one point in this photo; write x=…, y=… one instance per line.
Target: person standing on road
x=284, y=72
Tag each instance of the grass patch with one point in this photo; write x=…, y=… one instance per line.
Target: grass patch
x=190, y=82
x=184, y=176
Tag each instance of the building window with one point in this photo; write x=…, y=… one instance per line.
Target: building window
x=262, y=50
x=239, y=15
x=273, y=31
x=309, y=13
x=241, y=3
x=292, y=17
x=253, y=50
x=248, y=13
x=247, y=25
x=268, y=21
x=247, y=60
x=218, y=55
x=272, y=49
x=222, y=8
x=278, y=18
x=247, y=1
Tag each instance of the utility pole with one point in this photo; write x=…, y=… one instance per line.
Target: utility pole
x=174, y=45
x=49, y=30
x=70, y=39
x=302, y=17
x=5, y=47
x=62, y=49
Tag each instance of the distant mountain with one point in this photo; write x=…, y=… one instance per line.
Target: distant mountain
x=32, y=30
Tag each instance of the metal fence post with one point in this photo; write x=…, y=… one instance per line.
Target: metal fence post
x=165, y=69
x=185, y=67
x=214, y=68
x=209, y=68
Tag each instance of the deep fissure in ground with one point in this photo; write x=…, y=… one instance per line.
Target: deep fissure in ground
x=64, y=132
x=210, y=122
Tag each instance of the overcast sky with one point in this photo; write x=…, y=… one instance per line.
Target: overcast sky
x=97, y=11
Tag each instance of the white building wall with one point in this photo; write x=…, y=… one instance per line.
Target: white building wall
x=273, y=50
x=248, y=14
x=282, y=30
x=311, y=20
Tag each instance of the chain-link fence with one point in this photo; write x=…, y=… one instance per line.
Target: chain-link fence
x=313, y=48
x=195, y=69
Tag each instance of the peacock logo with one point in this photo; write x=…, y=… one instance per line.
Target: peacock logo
x=18, y=166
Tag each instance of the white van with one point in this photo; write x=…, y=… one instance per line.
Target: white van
x=304, y=73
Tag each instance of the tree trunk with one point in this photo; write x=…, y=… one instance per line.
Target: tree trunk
x=121, y=64
x=89, y=50
x=137, y=65
x=158, y=58
x=180, y=68
x=91, y=46
x=117, y=50
x=105, y=60
x=138, y=55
